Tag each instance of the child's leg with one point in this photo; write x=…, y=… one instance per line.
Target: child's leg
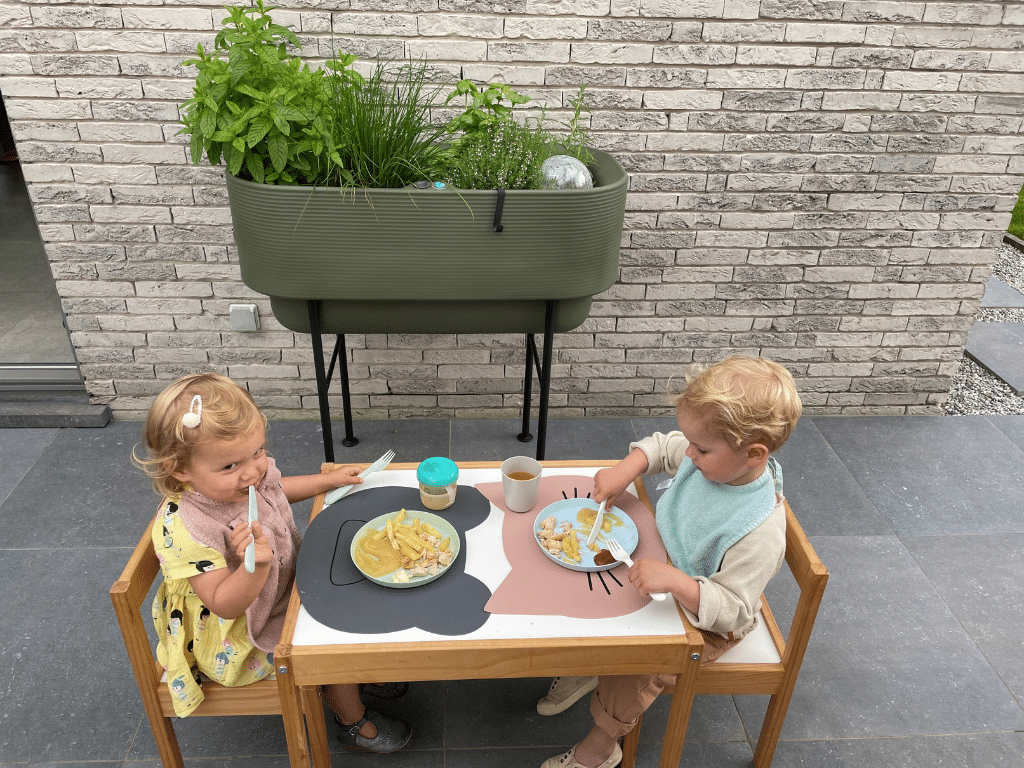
x=344, y=701
x=616, y=705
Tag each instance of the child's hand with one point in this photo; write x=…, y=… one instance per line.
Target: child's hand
x=242, y=534
x=344, y=475
x=652, y=576
x=611, y=482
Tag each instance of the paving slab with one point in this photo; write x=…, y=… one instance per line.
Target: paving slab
x=926, y=677
x=932, y=474
x=999, y=348
x=1001, y=295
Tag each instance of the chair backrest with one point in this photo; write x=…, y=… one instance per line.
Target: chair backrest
x=811, y=577
x=128, y=595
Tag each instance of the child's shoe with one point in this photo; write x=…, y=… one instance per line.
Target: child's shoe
x=568, y=760
x=564, y=692
x=391, y=736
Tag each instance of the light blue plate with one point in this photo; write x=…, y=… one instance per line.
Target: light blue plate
x=626, y=533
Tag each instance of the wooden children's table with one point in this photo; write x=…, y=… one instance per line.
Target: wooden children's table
x=540, y=620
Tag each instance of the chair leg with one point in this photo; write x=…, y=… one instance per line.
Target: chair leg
x=166, y=741
x=771, y=729
x=630, y=742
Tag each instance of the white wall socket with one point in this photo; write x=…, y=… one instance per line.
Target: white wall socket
x=244, y=317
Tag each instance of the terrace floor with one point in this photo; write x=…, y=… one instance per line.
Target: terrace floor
x=917, y=657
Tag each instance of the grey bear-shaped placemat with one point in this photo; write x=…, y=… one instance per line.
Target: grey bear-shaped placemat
x=337, y=595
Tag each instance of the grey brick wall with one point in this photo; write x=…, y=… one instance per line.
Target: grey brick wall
x=818, y=181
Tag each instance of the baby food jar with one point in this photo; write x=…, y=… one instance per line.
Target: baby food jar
x=437, y=477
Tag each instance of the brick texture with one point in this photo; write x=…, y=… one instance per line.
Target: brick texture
x=824, y=183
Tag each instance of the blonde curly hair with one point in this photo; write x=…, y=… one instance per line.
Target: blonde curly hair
x=228, y=413
x=747, y=400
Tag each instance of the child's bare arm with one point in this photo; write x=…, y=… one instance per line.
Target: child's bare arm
x=227, y=593
x=302, y=487
x=611, y=482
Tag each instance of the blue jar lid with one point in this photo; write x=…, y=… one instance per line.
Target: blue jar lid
x=437, y=471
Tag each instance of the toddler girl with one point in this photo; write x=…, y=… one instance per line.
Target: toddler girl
x=204, y=439
x=723, y=524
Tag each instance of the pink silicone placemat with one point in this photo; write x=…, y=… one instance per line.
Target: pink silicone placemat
x=538, y=586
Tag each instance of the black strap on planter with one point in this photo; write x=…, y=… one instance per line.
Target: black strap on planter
x=498, y=206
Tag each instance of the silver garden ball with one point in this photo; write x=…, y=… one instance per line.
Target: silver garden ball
x=566, y=172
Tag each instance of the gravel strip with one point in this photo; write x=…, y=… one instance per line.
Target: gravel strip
x=975, y=391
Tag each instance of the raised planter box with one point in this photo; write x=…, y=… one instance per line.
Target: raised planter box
x=427, y=260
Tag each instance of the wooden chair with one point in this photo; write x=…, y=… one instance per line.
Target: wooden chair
x=773, y=667
x=128, y=595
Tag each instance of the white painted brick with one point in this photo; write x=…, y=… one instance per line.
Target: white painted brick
x=122, y=42
x=174, y=18
x=825, y=33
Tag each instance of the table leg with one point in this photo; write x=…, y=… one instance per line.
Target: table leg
x=291, y=713
x=679, y=713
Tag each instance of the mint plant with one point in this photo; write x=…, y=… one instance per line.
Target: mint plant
x=262, y=111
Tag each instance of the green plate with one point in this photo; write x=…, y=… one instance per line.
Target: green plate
x=377, y=523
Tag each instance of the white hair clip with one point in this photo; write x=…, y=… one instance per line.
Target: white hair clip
x=194, y=415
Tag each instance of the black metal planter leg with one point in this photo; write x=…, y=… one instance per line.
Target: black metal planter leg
x=322, y=382
x=545, y=378
x=531, y=353
x=346, y=396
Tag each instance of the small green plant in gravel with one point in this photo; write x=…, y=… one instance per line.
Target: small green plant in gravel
x=1016, y=227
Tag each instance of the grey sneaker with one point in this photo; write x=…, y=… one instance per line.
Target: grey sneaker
x=564, y=692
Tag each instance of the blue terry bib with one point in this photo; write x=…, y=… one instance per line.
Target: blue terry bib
x=700, y=520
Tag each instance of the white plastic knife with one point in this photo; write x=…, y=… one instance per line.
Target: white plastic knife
x=598, y=519
x=250, y=551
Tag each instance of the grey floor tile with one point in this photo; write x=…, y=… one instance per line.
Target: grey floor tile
x=991, y=750
x=712, y=719
x=83, y=491
x=411, y=439
x=1012, y=427
x=730, y=754
x=932, y=474
x=1000, y=294
x=19, y=450
x=499, y=757
x=822, y=492
x=496, y=439
x=68, y=692
x=217, y=737
x=981, y=579
x=999, y=348
x=887, y=657
x=503, y=713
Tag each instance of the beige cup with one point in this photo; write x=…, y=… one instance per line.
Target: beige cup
x=520, y=481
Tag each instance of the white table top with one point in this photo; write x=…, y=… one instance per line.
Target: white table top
x=489, y=565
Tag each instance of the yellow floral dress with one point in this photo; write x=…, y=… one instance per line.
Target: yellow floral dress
x=196, y=641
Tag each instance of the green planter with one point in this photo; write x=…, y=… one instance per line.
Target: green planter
x=427, y=260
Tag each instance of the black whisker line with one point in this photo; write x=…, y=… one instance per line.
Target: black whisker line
x=565, y=495
x=601, y=577
x=613, y=577
x=590, y=581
